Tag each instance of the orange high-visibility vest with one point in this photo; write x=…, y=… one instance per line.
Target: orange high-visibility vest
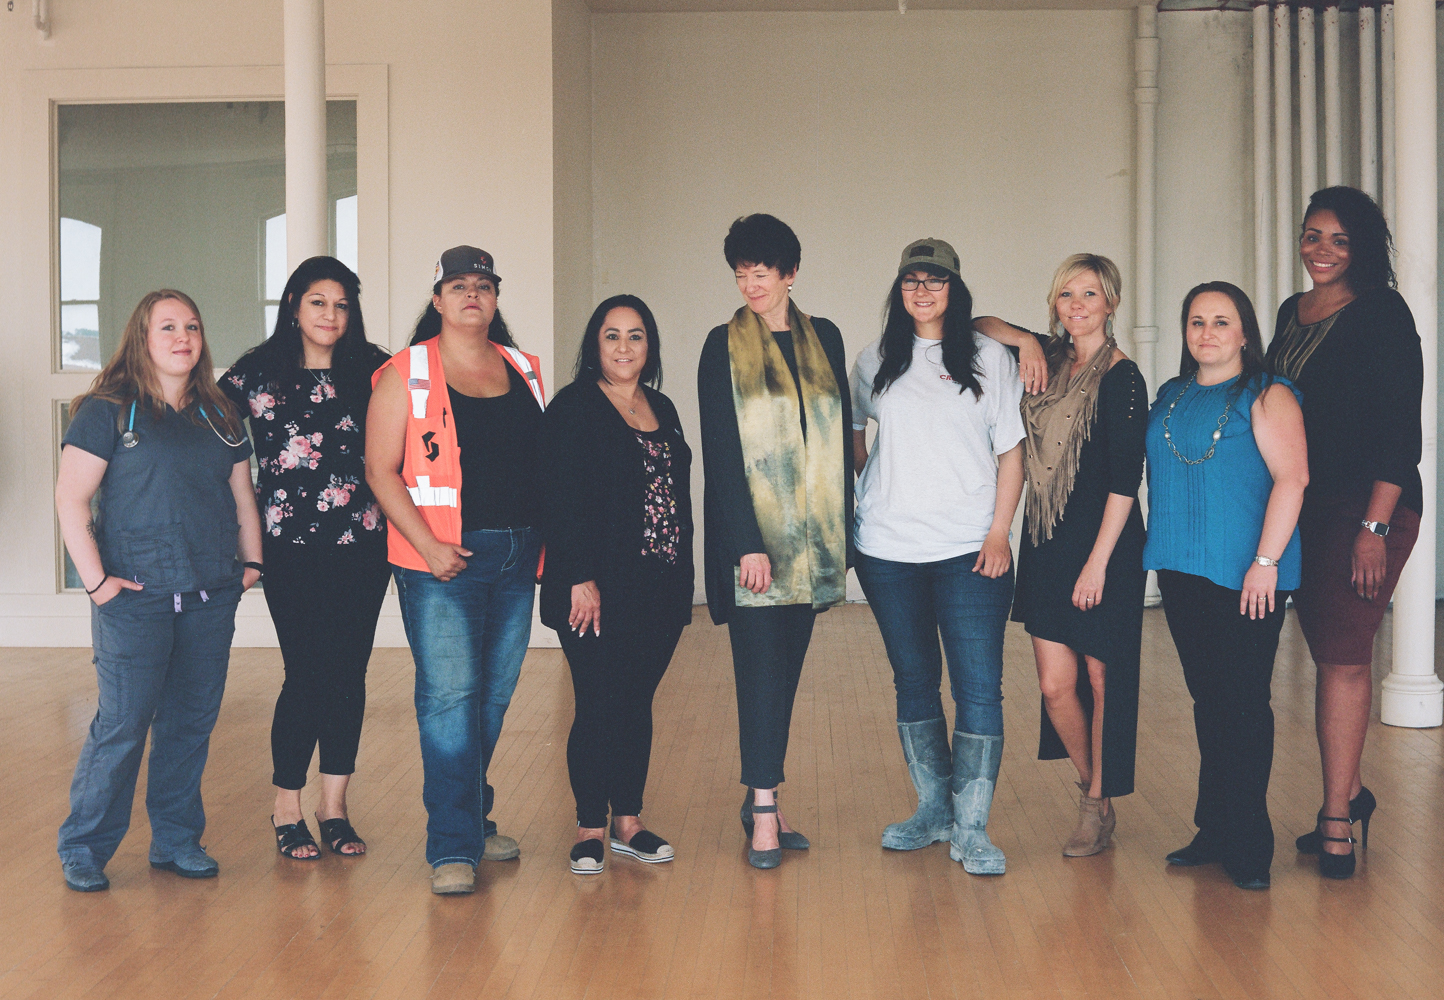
x=431, y=465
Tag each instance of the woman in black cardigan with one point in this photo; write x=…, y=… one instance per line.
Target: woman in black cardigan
x=617, y=520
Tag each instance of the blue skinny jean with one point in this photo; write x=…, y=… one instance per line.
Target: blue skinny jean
x=160, y=661
x=468, y=637
x=913, y=603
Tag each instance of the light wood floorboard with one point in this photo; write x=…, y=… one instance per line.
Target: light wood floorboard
x=844, y=920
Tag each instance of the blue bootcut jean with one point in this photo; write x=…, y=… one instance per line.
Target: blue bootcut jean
x=468, y=637
x=913, y=603
x=160, y=662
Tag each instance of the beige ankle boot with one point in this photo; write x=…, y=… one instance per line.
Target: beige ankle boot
x=1094, y=828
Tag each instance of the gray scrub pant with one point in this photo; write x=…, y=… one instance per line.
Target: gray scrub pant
x=161, y=661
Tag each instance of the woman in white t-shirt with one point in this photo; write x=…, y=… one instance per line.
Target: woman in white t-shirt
x=934, y=504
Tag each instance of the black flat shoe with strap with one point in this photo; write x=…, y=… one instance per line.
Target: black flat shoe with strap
x=339, y=832
x=291, y=837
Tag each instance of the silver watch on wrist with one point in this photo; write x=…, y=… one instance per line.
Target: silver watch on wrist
x=1265, y=561
x=1380, y=528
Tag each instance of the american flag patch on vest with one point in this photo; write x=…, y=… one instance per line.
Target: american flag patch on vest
x=418, y=383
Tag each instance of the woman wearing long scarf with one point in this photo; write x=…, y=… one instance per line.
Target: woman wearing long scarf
x=1080, y=564
x=777, y=506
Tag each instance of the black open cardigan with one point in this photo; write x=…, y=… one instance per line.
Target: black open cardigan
x=593, y=493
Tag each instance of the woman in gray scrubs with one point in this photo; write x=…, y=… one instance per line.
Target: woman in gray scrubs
x=176, y=542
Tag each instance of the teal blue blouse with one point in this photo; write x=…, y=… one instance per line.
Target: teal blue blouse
x=1206, y=519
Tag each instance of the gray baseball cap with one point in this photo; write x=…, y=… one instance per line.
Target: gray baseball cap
x=936, y=253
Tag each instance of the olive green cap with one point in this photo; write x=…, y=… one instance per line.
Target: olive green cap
x=937, y=253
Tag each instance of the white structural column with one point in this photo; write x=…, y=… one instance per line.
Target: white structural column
x=1145, y=103
x=1368, y=104
x=1388, y=160
x=305, y=59
x=1285, y=245
x=1263, y=240
x=1413, y=695
x=1308, y=106
x=1333, y=101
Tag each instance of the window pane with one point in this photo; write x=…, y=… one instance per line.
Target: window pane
x=346, y=231
x=272, y=312
x=276, y=273
x=80, y=338
x=79, y=260
x=184, y=193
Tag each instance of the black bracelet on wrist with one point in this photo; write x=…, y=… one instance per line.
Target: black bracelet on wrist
x=258, y=567
x=98, y=585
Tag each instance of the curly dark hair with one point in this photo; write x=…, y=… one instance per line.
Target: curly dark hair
x=1371, y=248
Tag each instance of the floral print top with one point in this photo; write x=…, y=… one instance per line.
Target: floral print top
x=311, y=483
x=661, y=531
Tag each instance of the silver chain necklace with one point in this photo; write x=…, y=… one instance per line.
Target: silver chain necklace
x=1217, y=433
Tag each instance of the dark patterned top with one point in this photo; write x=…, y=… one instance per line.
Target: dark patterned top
x=309, y=440
x=661, y=530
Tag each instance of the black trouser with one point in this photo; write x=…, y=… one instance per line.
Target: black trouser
x=1228, y=662
x=768, y=646
x=324, y=602
x=614, y=677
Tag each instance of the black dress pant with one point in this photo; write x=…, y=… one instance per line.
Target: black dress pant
x=768, y=647
x=1228, y=662
x=324, y=602
x=614, y=677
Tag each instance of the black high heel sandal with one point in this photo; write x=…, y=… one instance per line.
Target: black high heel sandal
x=338, y=833
x=290, y=837
x=1337, y=866
x=1361, y=810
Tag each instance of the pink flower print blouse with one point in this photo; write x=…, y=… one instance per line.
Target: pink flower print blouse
x=661, y=533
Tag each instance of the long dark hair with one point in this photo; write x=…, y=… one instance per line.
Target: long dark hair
x=960, y=351
x=1370, y=245
x=1253, y=349
x=352, y=358
x=589, y=356
x=428, y=324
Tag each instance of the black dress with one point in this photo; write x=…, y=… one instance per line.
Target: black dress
x=1111, y=462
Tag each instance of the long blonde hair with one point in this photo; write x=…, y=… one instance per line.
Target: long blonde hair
x=1080, y=263
x=129, y=376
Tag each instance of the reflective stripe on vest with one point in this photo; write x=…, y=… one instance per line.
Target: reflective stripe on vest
x=419, y=384
x=523, y=365
x=423, y=494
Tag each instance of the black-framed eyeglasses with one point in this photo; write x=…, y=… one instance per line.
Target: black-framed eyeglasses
x=931, y=284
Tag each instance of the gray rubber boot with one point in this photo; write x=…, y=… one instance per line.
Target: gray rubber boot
x=925, y=748
x=975, y=775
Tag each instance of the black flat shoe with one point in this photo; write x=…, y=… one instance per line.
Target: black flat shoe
x=644, y=846
x=764, y=859
x=587, y=857
x=1361, y=810
x=291, y=837
x=788, y=840
x=1197, y=853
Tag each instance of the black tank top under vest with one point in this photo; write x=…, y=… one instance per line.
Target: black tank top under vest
x=498, y=441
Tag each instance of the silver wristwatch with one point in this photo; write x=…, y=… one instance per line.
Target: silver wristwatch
x=1380, y=528
x=1265, y=561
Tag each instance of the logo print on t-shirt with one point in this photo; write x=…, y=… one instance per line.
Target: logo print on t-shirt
x=432, y=448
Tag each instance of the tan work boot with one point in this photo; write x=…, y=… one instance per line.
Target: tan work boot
x=453, y=878
x=499, y=848
x=1094, y=828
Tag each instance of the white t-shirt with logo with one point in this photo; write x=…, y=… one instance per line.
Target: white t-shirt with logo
x=930, y=484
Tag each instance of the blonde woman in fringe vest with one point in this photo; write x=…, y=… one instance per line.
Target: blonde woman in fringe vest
x=1080, y=570
x=772, y=390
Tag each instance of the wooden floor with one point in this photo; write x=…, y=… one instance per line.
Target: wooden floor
x=846, y=919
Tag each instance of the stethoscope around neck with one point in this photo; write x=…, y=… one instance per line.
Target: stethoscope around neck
x=130, y=438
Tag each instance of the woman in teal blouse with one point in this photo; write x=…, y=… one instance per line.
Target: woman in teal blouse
x=1227, y=467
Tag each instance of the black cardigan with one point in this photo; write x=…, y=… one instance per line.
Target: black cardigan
x=1362, y=390
x=731, y=530
x=593, y=493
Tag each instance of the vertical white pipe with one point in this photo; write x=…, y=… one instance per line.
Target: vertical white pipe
x=1145, y=103
x=1368, y=104
x=1333, y=103
x=1412, y=693
x=305, y=64
x=1284, y=244
x=1388, y=161
x=1308, y=106
x=1263, y=252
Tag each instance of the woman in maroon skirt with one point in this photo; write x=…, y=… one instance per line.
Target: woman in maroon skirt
x=1350, y=346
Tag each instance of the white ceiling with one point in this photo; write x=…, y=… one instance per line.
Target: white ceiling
x=700, y=6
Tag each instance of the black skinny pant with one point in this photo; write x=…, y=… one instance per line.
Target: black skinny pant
x=324, y=602
x=1228, y=663
x=768, y=647
x=614, y=677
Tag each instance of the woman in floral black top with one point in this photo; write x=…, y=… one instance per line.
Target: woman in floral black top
x=306, y=390
x=617, y=586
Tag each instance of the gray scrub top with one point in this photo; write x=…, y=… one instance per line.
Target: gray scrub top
x=167, y=514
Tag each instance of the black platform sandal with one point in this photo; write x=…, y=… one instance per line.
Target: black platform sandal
x=1337, y=866
x=339, y=832
x=292, y=836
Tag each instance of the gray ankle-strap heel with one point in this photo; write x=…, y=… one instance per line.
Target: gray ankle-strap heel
x=925, y=748
x=975, y=775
